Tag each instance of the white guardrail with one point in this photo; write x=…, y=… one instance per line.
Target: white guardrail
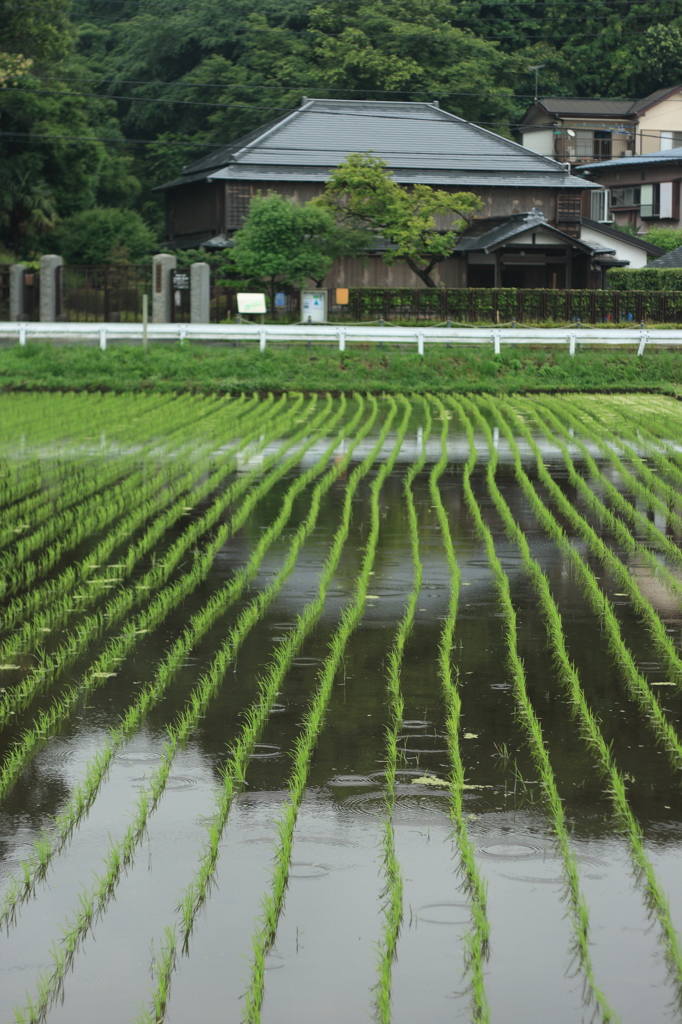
x=341, y=334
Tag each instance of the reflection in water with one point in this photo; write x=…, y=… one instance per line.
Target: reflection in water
x=325, y=952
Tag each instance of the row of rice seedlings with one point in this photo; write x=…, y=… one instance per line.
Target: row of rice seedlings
x=393, y=893
x=661, y=439
x=636, y=683
x=76, y=480
x=49, y=844
x=72, y=526
x=48, y=592
x=646, y=487
x=121, y=852
x=60, y=418
x=578, y=909
x=638, y=519
x=656, y=899
x=640, y=602
x=313, y=719
x=90, y=627
x=477, y=938
x=643, y=607
x=41, y=479
x=59, y=594
x=268, y=687
x=642, y=430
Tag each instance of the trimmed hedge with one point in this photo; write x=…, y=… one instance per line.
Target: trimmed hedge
x=646, y=279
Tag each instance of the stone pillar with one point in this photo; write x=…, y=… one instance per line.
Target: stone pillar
x=16, y=290
x=50, y=299
x=162, y=293
x=200, y=293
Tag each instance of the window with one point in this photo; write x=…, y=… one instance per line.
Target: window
x=237, y=199
x=600, y=203
x=602, y=145
x=650, y=200
x=624, y=198
x=568, y=207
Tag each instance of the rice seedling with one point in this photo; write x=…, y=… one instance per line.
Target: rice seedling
x=657, y=901
x=637, y=685
x=273, y=901
x=122, y=851
x=477, y=938
x=393, y=893
x=34, y=868
x=269, y=686
x=578, y=909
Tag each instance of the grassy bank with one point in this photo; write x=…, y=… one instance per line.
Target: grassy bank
x=364, y=368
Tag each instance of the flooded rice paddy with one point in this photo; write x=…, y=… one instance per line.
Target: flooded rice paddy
x=335, y=710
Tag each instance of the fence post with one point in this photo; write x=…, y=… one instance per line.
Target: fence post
x=263, y=334
x=16, y=291
x=341, y=334
x=200, y=293
x=643, y=338
x=145, y=319
x=496, y=342
x=162, y=293
x=49, y=299
x=22, y=334
x=571, y=344
x=420, y=343
x=103, y=339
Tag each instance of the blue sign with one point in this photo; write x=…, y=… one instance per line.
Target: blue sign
x=280, y=299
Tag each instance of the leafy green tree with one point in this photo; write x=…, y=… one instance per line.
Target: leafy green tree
x=103, y=235
x=666, y=238
x=284, y=242
x=362, y=194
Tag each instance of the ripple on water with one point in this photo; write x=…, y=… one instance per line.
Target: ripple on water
x=417, y=724
x=444, y=913
x=299, y=869
x=139, y=757
x=173, y=782
x=305, y=662
x=512, y=850
x=423, y=743
x=266, y=751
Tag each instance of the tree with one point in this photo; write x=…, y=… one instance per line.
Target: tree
x=362, y=194
x=284, y=242
x=666, y=238
x=103, y=235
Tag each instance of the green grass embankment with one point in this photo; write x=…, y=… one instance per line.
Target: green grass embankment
x=362, y=368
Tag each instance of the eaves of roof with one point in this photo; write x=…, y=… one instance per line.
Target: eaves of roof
x=516, y=225
x=404, y=176
x=665, y=156
x=606, y=229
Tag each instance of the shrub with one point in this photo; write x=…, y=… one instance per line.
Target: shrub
x=103, y=235
x=653, y=279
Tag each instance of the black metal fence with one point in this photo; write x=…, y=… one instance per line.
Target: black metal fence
x=504, y=305
x=109, y=294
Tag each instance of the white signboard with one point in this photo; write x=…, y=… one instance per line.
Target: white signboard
x=251, y=302
x=314, y=307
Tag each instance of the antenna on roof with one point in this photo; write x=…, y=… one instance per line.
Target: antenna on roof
x=536, y=68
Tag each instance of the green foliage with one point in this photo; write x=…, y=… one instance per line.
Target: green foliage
x=103, y=235
x=286, y=242
x=663, y=279
x=666, y=238
x=361, y=193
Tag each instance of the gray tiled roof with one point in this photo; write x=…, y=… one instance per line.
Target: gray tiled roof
x=518, y=224
x=663, y=156
x=669, y=260
x=575, y=106
x=418, y=141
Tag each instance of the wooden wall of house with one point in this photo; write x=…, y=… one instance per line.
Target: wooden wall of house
x=374, y=273
x=195, y=208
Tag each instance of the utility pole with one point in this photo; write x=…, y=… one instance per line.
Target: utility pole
x=536, y=68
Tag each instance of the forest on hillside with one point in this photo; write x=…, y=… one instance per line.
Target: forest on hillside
x=102, y=100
